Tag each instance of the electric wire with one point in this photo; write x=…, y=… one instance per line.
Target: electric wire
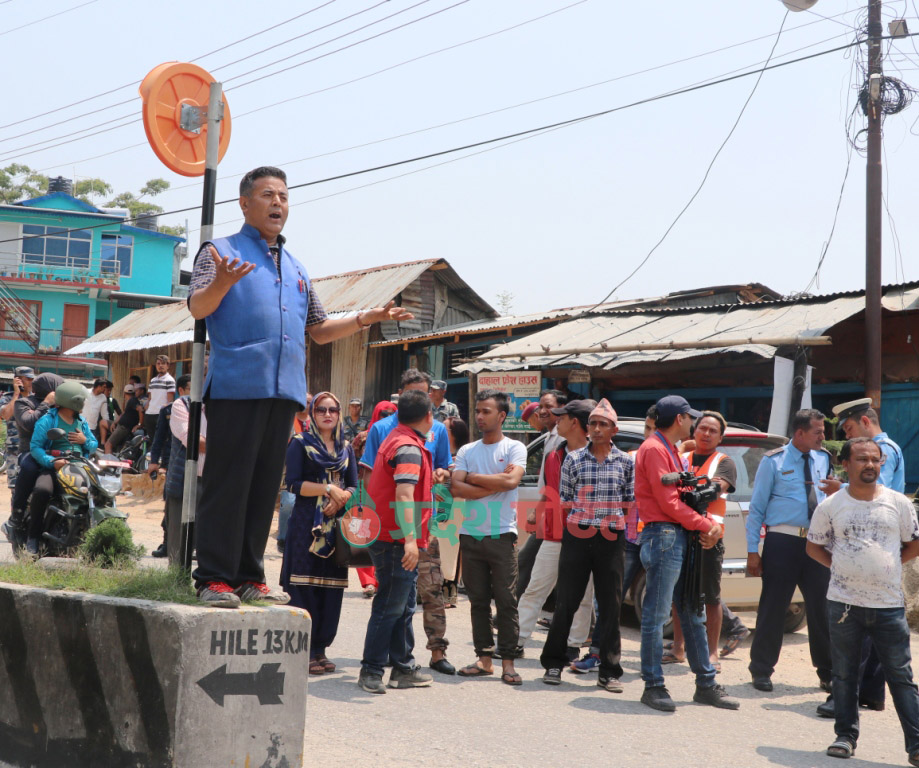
x=343, y=48
x=46, y=18
x=137, y=82
x=708, y=171
x=516, y=134
x=464, y=119
x=457, y=45
x=294, y=66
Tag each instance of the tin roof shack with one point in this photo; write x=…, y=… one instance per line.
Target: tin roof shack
x=440, y=351
x=734, y=358
x=131, y=344
x=431, y=289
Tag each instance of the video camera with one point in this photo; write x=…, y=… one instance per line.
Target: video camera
x=696, y=491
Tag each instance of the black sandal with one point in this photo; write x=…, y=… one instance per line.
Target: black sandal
x=841, y=748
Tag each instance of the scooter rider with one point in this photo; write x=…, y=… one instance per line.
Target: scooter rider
x=69, y=399
x=27, y=411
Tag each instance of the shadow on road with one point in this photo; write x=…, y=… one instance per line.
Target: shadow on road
x=801, y=758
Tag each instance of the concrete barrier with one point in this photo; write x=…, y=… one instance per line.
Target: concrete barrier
x=95, y=681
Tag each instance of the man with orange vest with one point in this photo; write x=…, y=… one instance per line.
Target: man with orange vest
x=706, y=460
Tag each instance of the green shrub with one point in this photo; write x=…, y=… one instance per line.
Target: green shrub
x=110, y=545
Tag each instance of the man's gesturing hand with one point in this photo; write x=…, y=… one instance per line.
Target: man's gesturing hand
x=389, y=312
x=229, y=272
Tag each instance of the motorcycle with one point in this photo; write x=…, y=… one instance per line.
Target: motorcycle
x=84, y=496
x=135, y=451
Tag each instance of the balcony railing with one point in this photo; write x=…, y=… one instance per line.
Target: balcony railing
x=100, y=273
x=51, y=341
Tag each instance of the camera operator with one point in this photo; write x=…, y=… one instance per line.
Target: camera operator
x=706, y=460
x=665, y=539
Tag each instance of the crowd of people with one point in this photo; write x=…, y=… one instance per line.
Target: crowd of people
x=603, y=513
x=446, y=509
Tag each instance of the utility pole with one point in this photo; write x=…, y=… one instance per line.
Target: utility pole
x=873, y=212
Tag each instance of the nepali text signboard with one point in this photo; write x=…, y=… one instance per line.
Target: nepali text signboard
x=522, y=388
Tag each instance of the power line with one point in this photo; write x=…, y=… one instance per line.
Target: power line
x=471, y=117
x=463, y=43
x=46, y=18
x=137, y=82
x=329, y=53
x=708, y=170
x=343, y=48
x=304, y=34
x=263, y=31
x=506, y=137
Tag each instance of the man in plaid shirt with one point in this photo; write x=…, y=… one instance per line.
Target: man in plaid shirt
x=596, y=487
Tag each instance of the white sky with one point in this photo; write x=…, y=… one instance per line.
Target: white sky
x=558, y=219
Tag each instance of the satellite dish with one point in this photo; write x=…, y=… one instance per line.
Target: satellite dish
x=798, y=5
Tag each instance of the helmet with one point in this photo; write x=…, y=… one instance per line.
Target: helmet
x=70, y=394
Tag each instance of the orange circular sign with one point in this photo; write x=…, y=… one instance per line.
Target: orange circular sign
x=164, y=91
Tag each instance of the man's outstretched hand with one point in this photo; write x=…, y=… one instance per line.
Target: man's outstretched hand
x=389, y=312
x=229, y=272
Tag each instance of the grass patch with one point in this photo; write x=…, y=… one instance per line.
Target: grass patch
x=169, y=585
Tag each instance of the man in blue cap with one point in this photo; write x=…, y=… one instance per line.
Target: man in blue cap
x=665, y=541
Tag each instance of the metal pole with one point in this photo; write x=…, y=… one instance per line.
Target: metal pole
x=190, y=495
x=874, y=178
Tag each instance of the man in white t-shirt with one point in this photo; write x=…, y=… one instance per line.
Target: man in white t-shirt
x=487, y=474
x=162, y=391
x=863, y=534
x=96, y=406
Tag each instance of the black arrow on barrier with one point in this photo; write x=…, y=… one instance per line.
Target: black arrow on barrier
x=267, y=684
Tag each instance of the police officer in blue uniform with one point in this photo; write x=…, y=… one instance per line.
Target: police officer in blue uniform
x=789, y=484
x=259, y=304
x=858, y=419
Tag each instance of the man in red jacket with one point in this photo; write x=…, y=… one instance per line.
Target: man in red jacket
x=665, y=539
x=400, y=491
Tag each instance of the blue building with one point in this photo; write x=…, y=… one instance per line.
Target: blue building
x=68, y=270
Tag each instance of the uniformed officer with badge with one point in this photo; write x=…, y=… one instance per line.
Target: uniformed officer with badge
x=858, y=419
x=789, y=484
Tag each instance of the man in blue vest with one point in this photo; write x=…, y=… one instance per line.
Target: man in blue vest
x=259, y=304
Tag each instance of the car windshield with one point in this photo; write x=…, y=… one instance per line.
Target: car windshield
x=747, y=455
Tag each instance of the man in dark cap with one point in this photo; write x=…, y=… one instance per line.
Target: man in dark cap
x=665, y=540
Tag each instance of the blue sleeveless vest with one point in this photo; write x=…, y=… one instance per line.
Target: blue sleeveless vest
x=258, y=333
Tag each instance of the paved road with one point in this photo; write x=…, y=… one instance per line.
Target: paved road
x=458, y=723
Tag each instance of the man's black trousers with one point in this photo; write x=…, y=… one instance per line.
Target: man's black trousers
x=787, y=565
x=601, y=553
x=246, y=446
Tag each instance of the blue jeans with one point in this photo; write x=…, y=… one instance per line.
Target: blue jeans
x=390, y=636
x=663, y=547
x=890, y=635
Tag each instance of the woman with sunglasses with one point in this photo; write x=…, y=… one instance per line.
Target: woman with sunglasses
x=322, y=475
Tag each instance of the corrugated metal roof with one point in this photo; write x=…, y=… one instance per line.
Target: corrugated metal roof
x=132, y=342
x=746, y=321
x=354, y=291
x=142, y=329
x=479, y=326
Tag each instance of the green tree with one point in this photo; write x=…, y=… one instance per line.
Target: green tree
x=19, y=182
x=85, y=189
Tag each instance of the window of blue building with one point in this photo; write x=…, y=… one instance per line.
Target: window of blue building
x=116, y=253
x=55, y=246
